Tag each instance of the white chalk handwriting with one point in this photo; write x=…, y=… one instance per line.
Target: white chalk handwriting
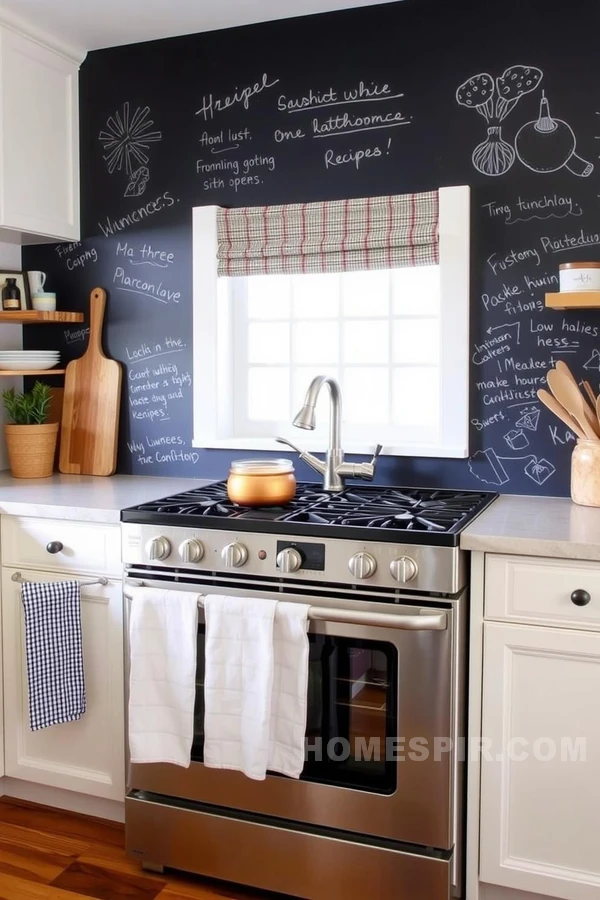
x=136, y=217
x=144, y=287
x=212, y=105
x=247, y=173
x=146, y=255
x=146, y=351
x=363, y=92
x=551, y=206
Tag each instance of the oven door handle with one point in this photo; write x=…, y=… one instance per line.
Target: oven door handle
x=422, y=621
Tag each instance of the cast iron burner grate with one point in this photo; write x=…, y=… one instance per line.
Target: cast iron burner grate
x=409, y=515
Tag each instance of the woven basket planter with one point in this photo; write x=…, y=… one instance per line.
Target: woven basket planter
x=31, y=449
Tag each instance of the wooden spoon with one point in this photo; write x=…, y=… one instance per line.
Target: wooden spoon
x=590, y=412
x=591, y=395
x=570, y=397
x=553, y=405
x=561, y=366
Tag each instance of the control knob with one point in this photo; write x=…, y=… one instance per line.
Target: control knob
x=289, y=559
x=404, y=569
x=234, y=555
x=362, y=565
x=191, y=551
x=158, y=548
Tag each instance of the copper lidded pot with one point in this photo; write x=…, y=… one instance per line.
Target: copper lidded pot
x=261, y=482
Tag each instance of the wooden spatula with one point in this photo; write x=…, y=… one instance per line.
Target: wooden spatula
x=569, y=396
x=589, y=411
x=553, y=405
x=92, y=398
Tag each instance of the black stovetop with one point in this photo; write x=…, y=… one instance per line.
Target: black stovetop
x=391, y=514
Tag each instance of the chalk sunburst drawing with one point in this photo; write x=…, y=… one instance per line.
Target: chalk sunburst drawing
x=126, y=137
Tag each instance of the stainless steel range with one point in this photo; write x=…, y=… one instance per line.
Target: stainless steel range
x=378, y=810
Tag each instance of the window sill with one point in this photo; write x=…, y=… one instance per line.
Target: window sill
x=267, y=444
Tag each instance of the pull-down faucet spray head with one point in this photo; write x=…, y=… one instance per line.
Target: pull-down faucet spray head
x=305, y=418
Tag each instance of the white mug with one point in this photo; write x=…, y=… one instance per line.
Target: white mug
x=37, y=280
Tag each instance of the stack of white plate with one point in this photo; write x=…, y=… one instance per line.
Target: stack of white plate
x=20, y=360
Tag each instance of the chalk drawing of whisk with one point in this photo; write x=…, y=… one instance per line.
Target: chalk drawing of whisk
x=126, y=137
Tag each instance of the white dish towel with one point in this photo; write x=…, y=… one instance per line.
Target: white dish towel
x=290, y=689
x=255, y=685
x=163, y=632
x=238, y=683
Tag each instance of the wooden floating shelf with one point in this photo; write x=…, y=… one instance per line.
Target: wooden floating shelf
x=574, y=300
x=36, y=317
x=20, y=372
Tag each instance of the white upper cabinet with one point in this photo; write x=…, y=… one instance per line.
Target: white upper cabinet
x=39, y=152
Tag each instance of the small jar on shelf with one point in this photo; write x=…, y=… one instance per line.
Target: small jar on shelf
x=11, y=296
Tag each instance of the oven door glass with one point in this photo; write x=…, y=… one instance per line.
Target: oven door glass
x=352, y=712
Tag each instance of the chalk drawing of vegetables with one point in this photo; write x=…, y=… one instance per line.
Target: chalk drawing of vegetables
x=548, y=144
x=494, y=100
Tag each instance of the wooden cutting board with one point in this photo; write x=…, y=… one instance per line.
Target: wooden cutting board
x=91, y=402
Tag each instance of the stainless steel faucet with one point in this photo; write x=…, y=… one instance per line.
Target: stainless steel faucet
x=333, y=468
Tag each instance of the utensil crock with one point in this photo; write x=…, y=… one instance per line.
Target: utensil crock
x=585, y=473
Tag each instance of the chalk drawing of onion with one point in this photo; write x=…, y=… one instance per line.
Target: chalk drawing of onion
x=493, y=156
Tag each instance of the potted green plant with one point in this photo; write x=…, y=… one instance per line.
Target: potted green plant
x=30, y=438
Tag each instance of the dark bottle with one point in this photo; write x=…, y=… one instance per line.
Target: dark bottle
x=11, y=295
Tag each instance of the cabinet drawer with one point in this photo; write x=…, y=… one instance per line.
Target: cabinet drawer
x=527, y=589
x=86, y=547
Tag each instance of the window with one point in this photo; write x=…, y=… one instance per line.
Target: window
x=395, y=339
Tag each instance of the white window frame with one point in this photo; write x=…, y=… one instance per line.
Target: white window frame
x=212, y=343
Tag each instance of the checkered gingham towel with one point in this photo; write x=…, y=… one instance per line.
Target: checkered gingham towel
x=54, y=652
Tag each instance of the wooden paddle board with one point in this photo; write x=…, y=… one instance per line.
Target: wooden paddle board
x=91, y=403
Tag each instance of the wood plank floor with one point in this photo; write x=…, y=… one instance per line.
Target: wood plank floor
x=48, y=854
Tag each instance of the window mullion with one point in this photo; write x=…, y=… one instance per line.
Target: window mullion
x=292, y=328
x=240, y=360
x=341, y=369
x=390, y=347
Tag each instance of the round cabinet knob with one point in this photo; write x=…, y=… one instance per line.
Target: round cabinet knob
x=404, y=569
x=580, y=598
x=54, y=547
x=234, y=555
x=289, y=559
x=191, y=551
x=362, y=565
x=158, y=548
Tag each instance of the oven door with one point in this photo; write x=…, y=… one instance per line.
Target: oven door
x=380, y=719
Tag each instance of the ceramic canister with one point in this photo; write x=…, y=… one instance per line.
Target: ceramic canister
x=44, y=301
x=585, y=473
x=579, y=276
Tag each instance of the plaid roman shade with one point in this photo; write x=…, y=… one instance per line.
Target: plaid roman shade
x=336, y=236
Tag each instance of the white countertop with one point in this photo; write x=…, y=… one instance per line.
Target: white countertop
x=85, y=498
x=528, y=526
x=536, y=526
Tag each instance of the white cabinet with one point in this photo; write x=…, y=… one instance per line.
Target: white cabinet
x=87, y=755
x=540, y=591
x=540, y=776
x=84, y=548
x=39, y=155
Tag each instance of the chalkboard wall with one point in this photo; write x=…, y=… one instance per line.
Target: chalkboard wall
x=309, y=109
